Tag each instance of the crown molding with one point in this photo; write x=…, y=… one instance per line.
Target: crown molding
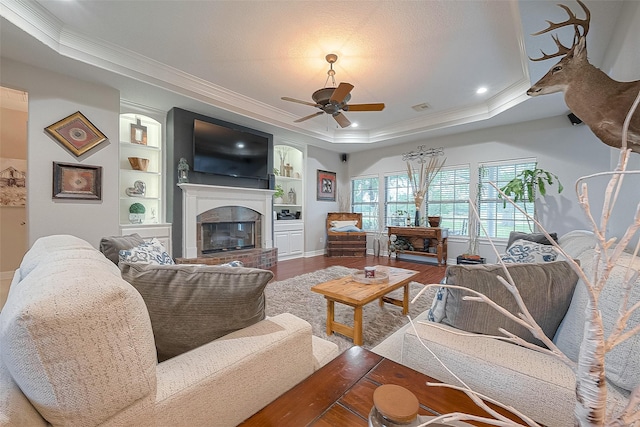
x=39, y=23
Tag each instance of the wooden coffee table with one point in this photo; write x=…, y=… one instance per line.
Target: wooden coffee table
x=350, y=292
x=341, y=394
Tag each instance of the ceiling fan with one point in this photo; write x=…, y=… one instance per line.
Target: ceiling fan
x=334, y=100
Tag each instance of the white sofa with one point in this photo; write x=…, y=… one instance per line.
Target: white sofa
x=77, y=349
x=536, y=384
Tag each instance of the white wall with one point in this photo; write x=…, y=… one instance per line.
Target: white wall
x=53, y=97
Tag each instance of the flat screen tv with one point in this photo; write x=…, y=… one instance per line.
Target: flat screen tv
x=226, y=151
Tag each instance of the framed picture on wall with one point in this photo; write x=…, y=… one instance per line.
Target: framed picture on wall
x=326, y=186
x=13, y=177
x=76, y=133
x=72, y=181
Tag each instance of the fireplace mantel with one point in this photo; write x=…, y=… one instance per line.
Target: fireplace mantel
x=198, y=198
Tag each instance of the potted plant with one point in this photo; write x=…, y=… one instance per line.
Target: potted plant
x=527, y=184
x=136, y=213
x=277, y=196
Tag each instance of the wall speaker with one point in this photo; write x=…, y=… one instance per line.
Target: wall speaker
x=575, y=120
x=272, y=181
x=344, y=157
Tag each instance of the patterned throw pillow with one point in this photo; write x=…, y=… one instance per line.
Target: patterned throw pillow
x=234, y=263
x=151, y=252
x=524, y=251
x=436, y=311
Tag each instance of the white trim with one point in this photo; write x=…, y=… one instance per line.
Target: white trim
x=198, y=198
x=507, y=162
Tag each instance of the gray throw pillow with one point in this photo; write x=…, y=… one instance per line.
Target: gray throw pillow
x=191, y=305
x=531, y=237
x=546, y=290
x=112, y=245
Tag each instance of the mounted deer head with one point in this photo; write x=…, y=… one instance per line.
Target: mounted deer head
x=598, y=100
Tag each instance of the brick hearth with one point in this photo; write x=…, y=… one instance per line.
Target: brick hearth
x=254, y=258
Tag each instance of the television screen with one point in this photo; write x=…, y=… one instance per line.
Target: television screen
x=225, y=151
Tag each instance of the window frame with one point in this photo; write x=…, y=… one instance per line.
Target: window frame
x=407, y=206
x=367, y=219
x=492, y=209
x=457, y=224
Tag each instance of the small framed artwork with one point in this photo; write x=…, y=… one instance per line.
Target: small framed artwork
x=73, y=181
x=138, y=133
x=326, y=186
x=76, y=133
x=13, y=182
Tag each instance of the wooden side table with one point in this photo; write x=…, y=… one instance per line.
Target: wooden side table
x=420, y=238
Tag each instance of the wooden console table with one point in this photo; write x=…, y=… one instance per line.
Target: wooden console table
x=421, y=238
x=341, y=394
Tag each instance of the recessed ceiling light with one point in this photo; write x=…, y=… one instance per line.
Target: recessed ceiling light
x=481, y=90
x=354, y=125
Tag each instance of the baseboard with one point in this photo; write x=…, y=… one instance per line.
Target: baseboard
x=314, y=253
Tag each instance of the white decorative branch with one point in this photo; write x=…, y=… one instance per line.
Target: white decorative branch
x=591, y=392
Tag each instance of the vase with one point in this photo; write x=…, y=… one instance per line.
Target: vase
x=417, y=222
x=434, y=221
x=376, y=247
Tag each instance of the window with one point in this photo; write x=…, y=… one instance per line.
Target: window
x=364, y=200
x=448, y=198
x=500, y=219
x=398, y=200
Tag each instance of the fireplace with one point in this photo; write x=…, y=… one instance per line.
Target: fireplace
x=227, y=236
x=202, y=204
x=228, y=228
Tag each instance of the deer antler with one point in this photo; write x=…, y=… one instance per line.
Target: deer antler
x=573, y=20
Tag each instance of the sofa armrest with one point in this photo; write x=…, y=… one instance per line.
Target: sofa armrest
x=537, y=384
x=233, y=377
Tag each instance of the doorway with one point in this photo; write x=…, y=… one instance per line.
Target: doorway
x=13, y=184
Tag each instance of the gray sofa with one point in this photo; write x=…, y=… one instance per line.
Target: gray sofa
x=534, y=383
x=77, y=349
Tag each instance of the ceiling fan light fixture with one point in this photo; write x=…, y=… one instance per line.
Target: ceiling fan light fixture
x=334, y=100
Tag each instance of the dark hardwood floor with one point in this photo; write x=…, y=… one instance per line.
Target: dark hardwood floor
x=295, y=267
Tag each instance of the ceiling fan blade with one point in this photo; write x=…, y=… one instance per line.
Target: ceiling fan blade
x=310, y=116
x=340, y=93
x=365, y=107
x=286, y=98
x=342, y=120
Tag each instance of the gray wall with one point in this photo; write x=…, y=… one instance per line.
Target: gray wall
x=315, y=211
x=569, y=151
x=53, y=97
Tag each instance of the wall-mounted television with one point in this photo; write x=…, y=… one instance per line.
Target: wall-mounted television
x=223, y=150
